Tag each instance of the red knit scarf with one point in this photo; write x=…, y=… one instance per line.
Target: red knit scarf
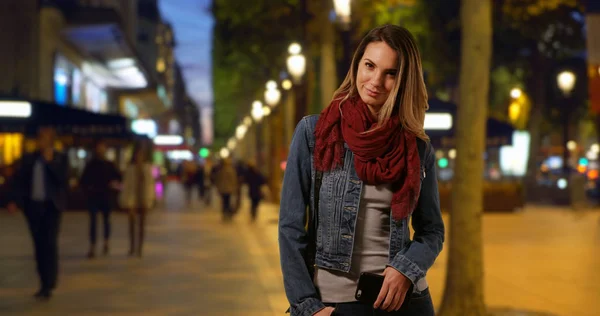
x=387, y=155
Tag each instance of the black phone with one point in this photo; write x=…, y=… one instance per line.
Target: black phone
x=369, y=286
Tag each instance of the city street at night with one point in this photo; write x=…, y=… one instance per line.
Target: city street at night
x=542, y=259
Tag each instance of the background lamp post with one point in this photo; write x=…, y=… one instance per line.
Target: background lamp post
x=257, y=111
x=286, y=84
x=272, y=94
x=296, y=62
x=343, y=10
x=516, y=93
x=240, y=131
x=566, y=82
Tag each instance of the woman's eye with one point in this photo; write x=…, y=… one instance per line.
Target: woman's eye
x=369, y=65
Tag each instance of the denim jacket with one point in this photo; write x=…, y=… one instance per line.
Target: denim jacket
x=338, y=203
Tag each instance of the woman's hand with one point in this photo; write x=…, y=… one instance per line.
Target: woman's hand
x=393, y=291
x=327, y=311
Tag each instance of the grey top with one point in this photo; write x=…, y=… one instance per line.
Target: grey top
x=371, y=247
x=38, y=187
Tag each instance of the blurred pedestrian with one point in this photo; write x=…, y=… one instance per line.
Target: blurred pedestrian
x=99, y=180
x=256, y=188
x=200, y=178
x=137, y=196
x=40, y=187
x=364, y=168
x=188, y=179
x=240, y=169
x=226, y=181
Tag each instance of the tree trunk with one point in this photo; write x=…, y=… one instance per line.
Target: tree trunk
x=463, y=294
x=536, y=117
x=328, y=74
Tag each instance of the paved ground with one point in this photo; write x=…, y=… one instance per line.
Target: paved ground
x=542, y=259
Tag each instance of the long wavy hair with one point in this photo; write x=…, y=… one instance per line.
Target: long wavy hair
x=409, y=94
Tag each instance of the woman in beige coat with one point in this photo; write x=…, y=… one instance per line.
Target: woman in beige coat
x=137, y=196
x=227, y=182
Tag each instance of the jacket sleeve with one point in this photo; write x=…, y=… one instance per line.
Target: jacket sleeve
x=414, y=260
x=293, y=238
x=58, y=170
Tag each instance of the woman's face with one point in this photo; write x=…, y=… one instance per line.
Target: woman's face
x=376, y=74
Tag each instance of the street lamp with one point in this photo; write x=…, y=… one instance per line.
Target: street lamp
x=240, y=131
x=247, y=121
x=343, y=10
x=296, y=62
x=257, y=111
x=231, y=144
x=566, y=82
x=286, y=84
x=224, y=153
x=516, y=93
x=272, y=94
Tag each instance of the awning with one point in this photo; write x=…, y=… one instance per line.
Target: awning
x=66, y=120
x=98, y=32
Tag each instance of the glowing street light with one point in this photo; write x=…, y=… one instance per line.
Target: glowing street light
x=224, y=153
x=240, y=131
x=266, y=111
x=257, y=111
x=286, y=84
x=566, y=81
x=342, y=10
x=516, y=93
x=231, y=144
x=272, y=94
x=296, y=62
x=247, y=121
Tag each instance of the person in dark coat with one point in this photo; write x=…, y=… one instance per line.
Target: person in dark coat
x=40, y=190
x=255, y=181
x=100, y=177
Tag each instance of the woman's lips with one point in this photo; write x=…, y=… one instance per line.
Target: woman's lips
x=372, y=93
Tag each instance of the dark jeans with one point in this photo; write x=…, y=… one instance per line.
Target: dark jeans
x=254, y=207
x=43, y=219
x=420, y=305
x=132, y=214
x=95, y=206
x=226, y=201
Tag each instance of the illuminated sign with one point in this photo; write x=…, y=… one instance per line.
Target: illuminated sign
x=168, y=140
x=438, y=121
x=144, y=127
x=15, y=109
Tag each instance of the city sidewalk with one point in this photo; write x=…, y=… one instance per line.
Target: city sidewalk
x=543, y=259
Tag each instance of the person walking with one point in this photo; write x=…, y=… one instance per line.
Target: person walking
x=365, y=169
x=99, y=180
x=39, y=188
x=226, y=181
x=137, y=197
x=256, y=184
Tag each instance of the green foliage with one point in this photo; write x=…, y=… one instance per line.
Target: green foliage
x=434, y=24
x=249, y=48
x=503, y=80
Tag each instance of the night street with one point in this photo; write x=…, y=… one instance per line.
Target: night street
x=543, y=259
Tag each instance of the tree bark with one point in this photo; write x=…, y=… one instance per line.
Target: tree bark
x=328, y=74
x=463, y=294
x=536, y=117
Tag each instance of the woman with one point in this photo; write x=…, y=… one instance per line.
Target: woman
x=227, y=183
x=137, y=196
x=358, y=168
x=100, y=177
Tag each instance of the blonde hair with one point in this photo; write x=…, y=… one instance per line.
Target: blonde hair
x=409, y=93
